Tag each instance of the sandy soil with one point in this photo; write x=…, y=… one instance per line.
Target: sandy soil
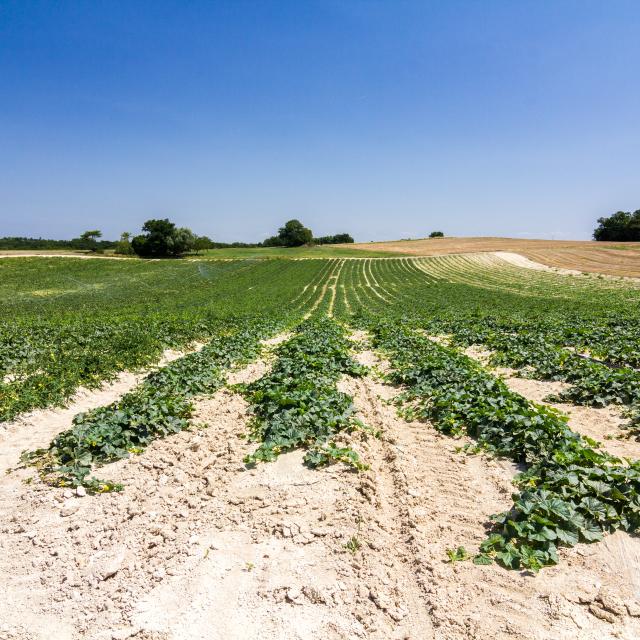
x=434, y=498
x=198, y=546
x=602, y=424
x=61, y=254
x=525, y=263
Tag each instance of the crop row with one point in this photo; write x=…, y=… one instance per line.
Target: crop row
x=297, y=404
x=570, y=492
x=592, y=383
x=613, y=340
x=161, y=405
x=44, y=364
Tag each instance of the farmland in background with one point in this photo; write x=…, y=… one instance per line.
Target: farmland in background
x=612, y=258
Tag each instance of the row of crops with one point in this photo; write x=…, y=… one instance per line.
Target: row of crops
x=68, y=323
x=160, y=406
x=570, y=492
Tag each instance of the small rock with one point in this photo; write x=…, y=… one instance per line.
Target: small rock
x=72, y=580
x=167, y=534
x=81, y=492
x=69, y=510
x=633, y=608
x=313, y=595
x=159, y=573
x=397, y=614
x=294, y=595
x=67, y=493
x=382, y=601
x=107, y=565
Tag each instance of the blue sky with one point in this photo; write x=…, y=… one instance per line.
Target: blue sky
x=386, y=119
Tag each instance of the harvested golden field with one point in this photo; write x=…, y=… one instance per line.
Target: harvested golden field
x=611, y=258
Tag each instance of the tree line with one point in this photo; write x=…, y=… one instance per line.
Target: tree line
x=88, y=241
x=161, y=238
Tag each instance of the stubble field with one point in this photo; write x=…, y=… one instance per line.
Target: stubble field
x=611, y=258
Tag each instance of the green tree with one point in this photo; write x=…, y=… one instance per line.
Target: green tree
x=162, y=239
x=272, y=241
x=202, y=243
x=436, y=234
x=123, y=246
x=339, y=238
x=89, y=239
x=294, y=234
x=622, y=226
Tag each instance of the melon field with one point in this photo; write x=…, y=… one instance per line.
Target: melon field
x=419, y=447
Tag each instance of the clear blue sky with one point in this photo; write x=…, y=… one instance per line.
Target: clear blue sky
x=385, y=119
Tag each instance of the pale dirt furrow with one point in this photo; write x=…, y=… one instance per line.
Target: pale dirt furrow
x=323, y=290
x=441, y=499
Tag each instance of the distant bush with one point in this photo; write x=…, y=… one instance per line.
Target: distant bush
x=622, y=226
x=162, y=239
x=123, y=246
x=295, y=234
x=436, y=234
x=339, y=238
x=18, y=243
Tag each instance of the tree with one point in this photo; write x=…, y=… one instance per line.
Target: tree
x=184, y=241
x=294, y=234
x=622, y=226
x=162, y=239
x=272, y=241
x=436, y=234
x=339, y=238
x=343, y=238
x=91, y=235
x=88, y=240
x=202, y=243
x=123, y=246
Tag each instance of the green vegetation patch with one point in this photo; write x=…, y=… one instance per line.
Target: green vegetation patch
x=297, y=405
x=159, y=406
